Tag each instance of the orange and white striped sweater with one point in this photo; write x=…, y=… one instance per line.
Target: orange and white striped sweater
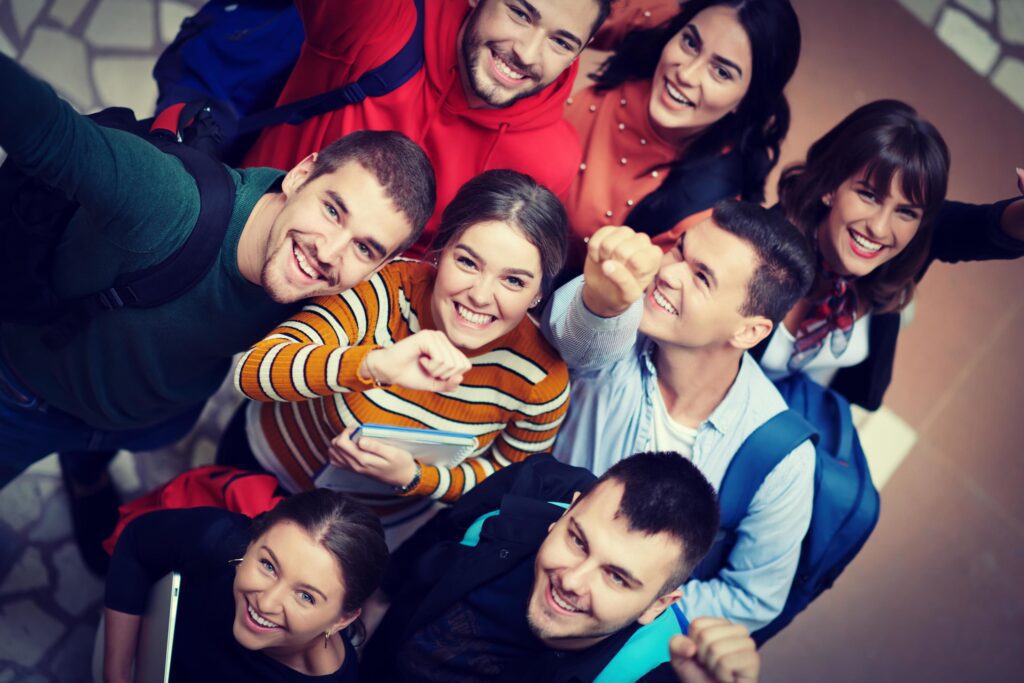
x=513, y=399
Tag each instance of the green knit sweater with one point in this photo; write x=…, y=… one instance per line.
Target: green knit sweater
x=133, y=367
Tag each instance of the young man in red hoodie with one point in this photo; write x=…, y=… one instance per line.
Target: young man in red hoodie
x=495, y=78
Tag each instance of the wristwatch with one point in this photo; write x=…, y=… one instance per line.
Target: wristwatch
x=402, y=490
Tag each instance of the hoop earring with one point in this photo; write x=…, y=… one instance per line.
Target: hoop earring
x=237, y=561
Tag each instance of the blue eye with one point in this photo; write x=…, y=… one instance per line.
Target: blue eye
x=306, y=597
x=267, y=566
x=465, y=262
x=516, y=282
x=617, y=578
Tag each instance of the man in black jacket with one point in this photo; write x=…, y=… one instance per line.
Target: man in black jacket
x=510, y=585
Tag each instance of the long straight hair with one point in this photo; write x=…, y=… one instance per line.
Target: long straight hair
x=879, y=140
x=761, y=121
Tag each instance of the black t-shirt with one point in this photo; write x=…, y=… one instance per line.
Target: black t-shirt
x=199, y=542
x=477, y=638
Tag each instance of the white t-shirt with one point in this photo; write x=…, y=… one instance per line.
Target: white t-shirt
x=821, y=369
x=669, y=435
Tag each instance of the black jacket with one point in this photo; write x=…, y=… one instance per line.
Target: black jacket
x=433, y=570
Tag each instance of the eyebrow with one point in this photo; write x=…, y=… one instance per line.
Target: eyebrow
x=536, y=17
x=478, y=257
x=614, y=567
x=371, y=242
x=306, y=586
x=866, y=182
x=717, y=57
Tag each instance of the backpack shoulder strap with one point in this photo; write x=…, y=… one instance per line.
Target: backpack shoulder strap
x=646, y=649
x=378, y=81
x=760, y=453
x=472, y=536
x=179, y=272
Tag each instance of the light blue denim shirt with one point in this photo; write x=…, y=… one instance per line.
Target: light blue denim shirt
x=614, y=385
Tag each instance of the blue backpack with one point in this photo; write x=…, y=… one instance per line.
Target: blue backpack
x=646, y=649
x=846, y=502
x=236, y=57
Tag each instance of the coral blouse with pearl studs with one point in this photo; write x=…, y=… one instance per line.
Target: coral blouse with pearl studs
x=624, y=160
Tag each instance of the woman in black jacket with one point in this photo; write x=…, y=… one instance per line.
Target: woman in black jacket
x=263, y=600
x=870, y=196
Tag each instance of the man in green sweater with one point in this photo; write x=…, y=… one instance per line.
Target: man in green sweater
x=137, y=378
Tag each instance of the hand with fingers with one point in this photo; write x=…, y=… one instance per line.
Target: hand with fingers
x=715, y=651
x=369, y=457
x=620, y=264
x=425, y=361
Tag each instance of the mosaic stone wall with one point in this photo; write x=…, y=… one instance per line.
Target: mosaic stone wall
x=987, y=34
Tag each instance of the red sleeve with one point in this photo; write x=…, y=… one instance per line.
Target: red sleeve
x=353, y=35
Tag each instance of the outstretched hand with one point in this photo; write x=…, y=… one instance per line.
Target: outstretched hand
x=620, y=265
x=715, y=651
x=425, y=361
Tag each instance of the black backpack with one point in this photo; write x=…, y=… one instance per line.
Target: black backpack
x=33, y=216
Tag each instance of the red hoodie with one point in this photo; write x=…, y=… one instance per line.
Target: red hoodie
x=345, y=38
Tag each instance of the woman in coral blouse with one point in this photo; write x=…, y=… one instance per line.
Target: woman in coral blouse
x=681, y=115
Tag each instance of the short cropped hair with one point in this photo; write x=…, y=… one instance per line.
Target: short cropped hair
x=399, y=165
x=786, y=264
x=664, y=492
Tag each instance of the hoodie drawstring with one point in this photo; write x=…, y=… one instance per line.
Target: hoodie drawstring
x=437, y=108
x=497, y=137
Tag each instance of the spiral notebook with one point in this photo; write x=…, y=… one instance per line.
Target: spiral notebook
x=428, y=446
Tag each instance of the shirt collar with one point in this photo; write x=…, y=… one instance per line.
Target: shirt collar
x=728, y=413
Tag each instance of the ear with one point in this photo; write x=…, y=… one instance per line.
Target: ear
x=659, y=606
x=754, y=329
x=294, y=179
x=346, y=620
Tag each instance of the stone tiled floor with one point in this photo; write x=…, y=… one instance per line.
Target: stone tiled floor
x=99, y=52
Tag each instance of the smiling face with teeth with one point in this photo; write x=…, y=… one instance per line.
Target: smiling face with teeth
x=288, y=591
x=701, y=289
x=486, y=280
x=594, y=575
x=867, y=226
x=703, y=74
x=329, y=233
x=511, y=49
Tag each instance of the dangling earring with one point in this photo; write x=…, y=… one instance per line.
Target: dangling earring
x=237, y=561
x=327, y=634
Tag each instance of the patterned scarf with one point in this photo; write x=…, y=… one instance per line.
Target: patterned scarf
x=835, y=310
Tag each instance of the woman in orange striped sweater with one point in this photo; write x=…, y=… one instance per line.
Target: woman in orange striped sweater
x=447, y=347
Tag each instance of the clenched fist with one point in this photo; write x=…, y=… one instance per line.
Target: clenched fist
x=620, y=264
x=426, y=361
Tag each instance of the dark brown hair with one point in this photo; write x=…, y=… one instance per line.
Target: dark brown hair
x=665, y=493
x=877, y=141
x=761, y=121
x=518, y=200
x=348, y=530
x=399, y=165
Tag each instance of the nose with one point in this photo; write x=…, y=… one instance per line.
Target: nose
x=481, y=292
x=270, y=599
x=688, y=71
x=330, y=250
x=574, y=579
x=529, y=49
x=878, y=223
